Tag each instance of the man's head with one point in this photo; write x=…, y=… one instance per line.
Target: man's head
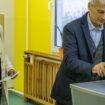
x=97, y=12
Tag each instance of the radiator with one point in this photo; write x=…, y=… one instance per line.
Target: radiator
x=39, y=76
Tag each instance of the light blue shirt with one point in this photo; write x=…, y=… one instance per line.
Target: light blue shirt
x=95, y=33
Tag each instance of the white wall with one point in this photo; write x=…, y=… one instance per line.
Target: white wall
x=7, y=8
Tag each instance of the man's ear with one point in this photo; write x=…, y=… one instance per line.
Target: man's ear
x=89, y=6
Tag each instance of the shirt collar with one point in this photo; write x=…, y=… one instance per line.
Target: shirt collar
x=91, y=26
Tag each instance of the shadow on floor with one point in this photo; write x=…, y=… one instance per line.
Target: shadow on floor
x=15, y=99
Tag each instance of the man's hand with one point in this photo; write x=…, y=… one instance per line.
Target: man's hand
x=99, y=69
x=12, y=72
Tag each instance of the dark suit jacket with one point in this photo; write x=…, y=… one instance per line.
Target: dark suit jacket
x=78, y=59
x=0, y=79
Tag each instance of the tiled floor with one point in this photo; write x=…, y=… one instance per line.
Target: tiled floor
x=15, y=99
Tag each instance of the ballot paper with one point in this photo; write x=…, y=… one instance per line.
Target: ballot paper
x=9, y=78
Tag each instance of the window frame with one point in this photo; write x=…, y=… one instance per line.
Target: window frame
x=54, y=18
x=54, y=48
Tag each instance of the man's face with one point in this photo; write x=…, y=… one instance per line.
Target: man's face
x=97, y=14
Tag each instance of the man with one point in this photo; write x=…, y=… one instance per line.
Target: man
x=84, y=52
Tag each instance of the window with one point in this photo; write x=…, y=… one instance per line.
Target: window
x=64, y=12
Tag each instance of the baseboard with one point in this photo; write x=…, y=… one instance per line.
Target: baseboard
x=16, y=92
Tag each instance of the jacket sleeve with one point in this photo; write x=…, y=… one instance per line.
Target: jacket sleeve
x=8, y=64
x=4, y=58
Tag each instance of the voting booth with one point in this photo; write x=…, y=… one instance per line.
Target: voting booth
x=88, y=93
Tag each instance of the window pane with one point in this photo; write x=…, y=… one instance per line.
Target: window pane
x=66, y=11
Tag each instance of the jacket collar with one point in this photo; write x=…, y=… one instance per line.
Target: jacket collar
x=87, y=36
